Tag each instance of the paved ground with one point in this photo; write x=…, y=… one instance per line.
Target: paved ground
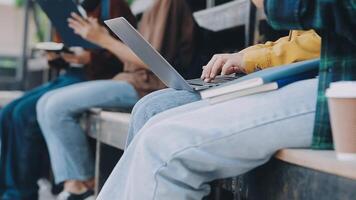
x=45, y=190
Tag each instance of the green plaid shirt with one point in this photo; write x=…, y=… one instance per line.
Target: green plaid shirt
x=336, y=21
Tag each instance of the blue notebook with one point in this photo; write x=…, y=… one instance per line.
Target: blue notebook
x=280, y=76
x=266, y=87
x=58, y=11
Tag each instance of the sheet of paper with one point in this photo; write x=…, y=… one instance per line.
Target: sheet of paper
x=225, y=16
x=139, y=6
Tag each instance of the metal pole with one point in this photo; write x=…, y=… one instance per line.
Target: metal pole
x=21, y=76
x=250, y=25
x=210, y=3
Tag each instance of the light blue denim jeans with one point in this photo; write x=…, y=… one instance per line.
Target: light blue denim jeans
x=154, y=104
x=179, y=151
x=58, y=114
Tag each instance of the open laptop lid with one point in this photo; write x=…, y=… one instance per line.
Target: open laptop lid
x=158, y=65
x=58, y=11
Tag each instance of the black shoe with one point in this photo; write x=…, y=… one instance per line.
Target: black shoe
x=88, y=195
x=57, y=188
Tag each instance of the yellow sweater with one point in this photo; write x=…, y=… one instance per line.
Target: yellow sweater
x=298, y=46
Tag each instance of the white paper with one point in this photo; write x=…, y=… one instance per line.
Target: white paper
x=139, y=6
x=223, y=17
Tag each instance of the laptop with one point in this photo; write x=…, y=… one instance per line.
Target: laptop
x=58, y=11
x=155, y=61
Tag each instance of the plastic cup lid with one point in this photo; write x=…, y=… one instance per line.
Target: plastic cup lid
x=342, y=89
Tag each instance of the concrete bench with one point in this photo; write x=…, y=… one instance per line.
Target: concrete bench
x=8, y=96
x=111, y=128
x=300, y=174
x=323, y=161
x=108, y=127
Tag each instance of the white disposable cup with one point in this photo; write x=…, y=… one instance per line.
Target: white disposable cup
x=342, y=107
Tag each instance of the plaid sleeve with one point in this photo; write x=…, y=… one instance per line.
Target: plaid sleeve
x=328, y=15
x=283, y=14
x=336, y=20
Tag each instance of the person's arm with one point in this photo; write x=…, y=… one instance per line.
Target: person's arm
x=92, y=31
x=123, y=52
x=286, y=50
x=338, y=16
x=82, y=58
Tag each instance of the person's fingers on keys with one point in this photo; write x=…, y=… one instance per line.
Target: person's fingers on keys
x=208, y=67
x=202, y=74
x=228, y=68
x=234, y=64
x=219, y=63
x=231, y=68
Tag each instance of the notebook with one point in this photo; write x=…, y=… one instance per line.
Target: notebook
x=58, y=11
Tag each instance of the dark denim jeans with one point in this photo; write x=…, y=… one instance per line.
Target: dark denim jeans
x=22, y=144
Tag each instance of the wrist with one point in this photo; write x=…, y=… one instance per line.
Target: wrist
x=242, y=64
x=105, y=40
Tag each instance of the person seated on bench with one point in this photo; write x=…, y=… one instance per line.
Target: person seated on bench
x=298, y=46
x=179, y=151
x=22, y=146
x=58, y=111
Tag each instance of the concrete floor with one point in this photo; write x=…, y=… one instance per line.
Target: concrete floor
x=45, y=190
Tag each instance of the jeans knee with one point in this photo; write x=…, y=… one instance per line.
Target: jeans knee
x=54, y=110
x=142, y=112
x=141, y=105
x=41, y=107
x=51, y=109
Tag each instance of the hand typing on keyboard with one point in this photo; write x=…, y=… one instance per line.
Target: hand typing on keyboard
x=223, y=64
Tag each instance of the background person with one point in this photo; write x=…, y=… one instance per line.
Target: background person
x=23, y=150
x=298, y=46
x=169, y=26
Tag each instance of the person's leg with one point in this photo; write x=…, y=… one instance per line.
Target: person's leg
x=58, y=115
x=154, y=104
x=178, y=152
x=22, y=146
x=6, y=127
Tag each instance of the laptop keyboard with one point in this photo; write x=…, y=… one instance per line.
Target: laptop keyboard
x=217, y=81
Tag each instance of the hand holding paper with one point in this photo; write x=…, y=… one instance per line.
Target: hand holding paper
x=88, y=28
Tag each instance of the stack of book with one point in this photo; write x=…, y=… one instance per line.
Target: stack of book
x=262, y=81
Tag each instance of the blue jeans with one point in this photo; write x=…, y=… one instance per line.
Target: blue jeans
x=178, y=152
x=22, y=146
x=154, y=104
x=58, y=114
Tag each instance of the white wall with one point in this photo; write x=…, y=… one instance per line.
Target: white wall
x=7, y=2
x=11, y=31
